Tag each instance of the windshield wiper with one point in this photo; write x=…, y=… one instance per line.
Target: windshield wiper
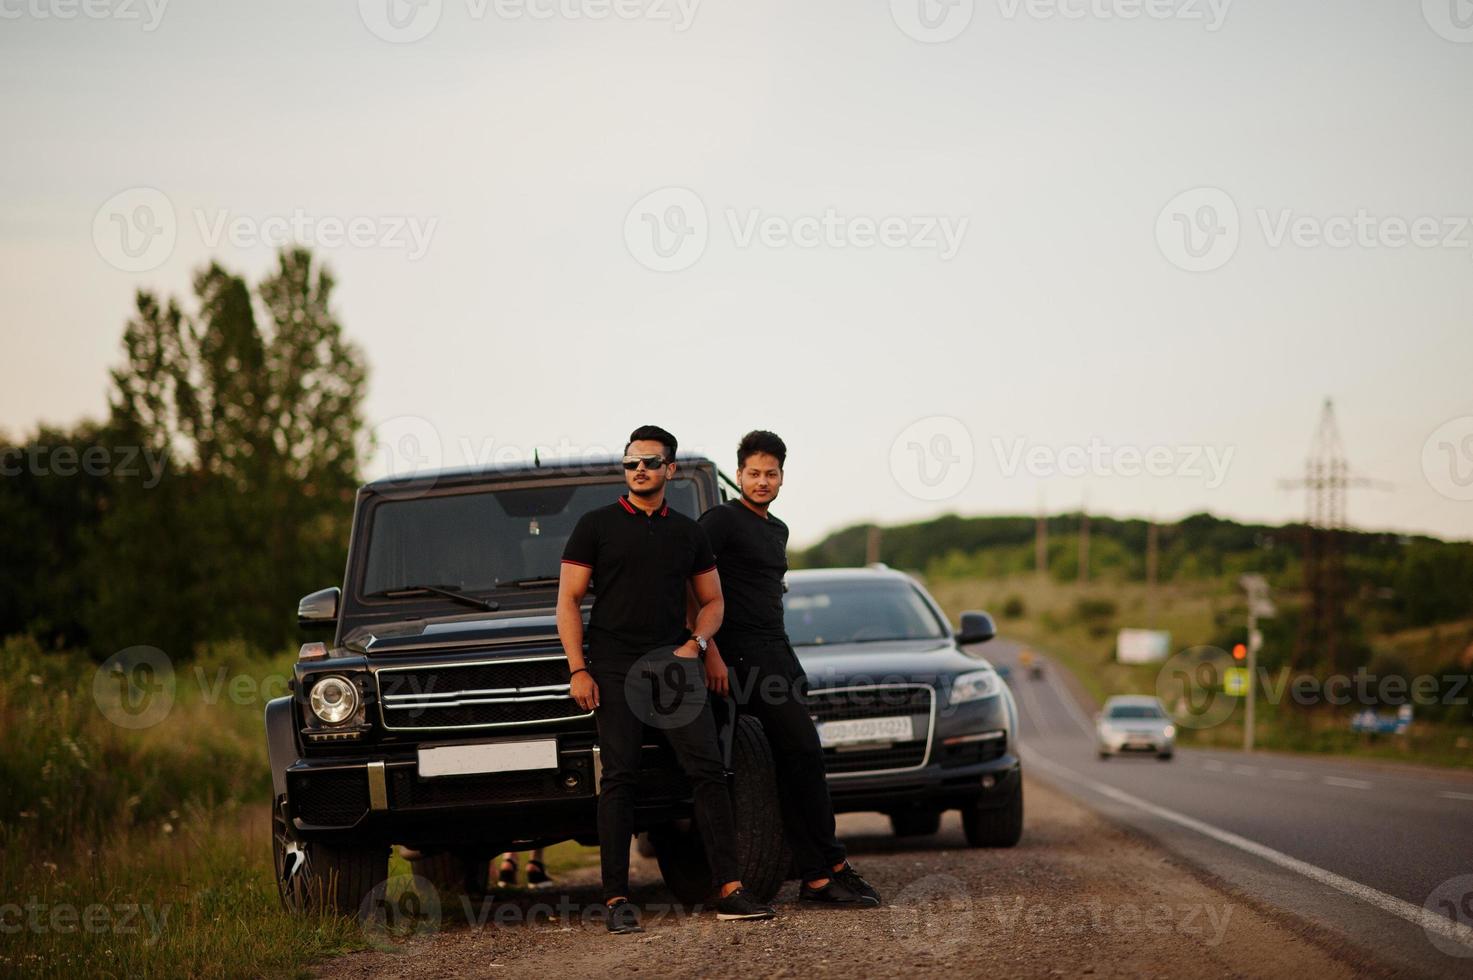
x=476, y=602
x=530, y=582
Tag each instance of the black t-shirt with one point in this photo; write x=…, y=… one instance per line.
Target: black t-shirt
x=641, y=564
x=752, y=558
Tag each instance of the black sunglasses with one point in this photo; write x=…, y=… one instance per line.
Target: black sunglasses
x=650, y=462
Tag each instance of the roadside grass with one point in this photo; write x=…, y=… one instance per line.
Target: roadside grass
x=1054, y=617
x=143, y=852
x=146, y=852
x=197, y=900
x=70, y=772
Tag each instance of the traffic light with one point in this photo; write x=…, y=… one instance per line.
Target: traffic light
x=1240, y=651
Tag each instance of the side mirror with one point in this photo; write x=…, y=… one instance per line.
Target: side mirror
x=320, y=608
x=977, y=627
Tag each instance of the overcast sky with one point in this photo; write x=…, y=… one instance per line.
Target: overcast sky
x=963, y=258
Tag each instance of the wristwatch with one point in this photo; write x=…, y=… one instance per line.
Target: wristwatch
x=700, y=641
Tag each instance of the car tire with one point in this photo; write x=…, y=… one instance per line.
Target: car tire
x=325, y=879
x=1000, y=826
x=915, y=823
x=1104, y=755
x=1165, y=756
x=762, y=851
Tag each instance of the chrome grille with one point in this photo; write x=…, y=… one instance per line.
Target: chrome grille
x=477, y=694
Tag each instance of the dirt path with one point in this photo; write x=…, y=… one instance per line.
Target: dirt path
x=1079, y=896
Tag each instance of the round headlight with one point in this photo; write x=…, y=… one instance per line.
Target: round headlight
x=334, y=699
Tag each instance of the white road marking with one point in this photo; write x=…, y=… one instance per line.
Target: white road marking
x=1285, y=774
x=1347, y=783
x=1427, y=920
x=1450, y=795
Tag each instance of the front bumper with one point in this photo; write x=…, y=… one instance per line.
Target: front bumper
x=388, y=800
x=1123, y=742
x=934, y=785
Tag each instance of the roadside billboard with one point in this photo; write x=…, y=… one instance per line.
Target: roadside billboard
x=1134, y=646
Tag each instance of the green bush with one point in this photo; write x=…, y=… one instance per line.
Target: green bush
x=69, y=772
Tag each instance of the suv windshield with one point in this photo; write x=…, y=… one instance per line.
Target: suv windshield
x=858, y=612
x=1135, y=712
x=487, y=538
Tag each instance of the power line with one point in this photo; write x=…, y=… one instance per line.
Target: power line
x=1326, y=479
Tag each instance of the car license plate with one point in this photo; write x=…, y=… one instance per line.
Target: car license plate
x=898, y=729
x=466, y=760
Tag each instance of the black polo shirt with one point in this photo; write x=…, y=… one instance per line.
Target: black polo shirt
x=641, y=564
x=752, y=558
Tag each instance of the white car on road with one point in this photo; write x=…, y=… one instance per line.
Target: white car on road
x=1134, y=723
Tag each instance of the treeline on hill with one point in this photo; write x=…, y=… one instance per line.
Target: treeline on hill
x=217, y=491
x=1392, y=581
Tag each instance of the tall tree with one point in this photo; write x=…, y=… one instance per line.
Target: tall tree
x=260, y=428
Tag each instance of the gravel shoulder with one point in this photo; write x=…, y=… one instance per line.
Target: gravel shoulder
x=1079, y=896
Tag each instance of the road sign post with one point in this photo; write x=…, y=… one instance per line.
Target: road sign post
x=1258, y=605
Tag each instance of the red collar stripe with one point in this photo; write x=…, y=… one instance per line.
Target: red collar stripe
x=624, y=502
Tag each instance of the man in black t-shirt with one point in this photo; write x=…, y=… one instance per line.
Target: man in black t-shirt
x=751, y=548
x=643, y=666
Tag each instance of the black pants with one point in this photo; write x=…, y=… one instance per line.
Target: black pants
x=668, y=694
x=769, y=683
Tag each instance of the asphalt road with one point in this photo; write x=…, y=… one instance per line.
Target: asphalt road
x=1359, y=847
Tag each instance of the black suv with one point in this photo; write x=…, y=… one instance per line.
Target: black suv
x=438, y=717
x=913, y=720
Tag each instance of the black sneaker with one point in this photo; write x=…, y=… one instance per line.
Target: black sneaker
x=537, y=876
x=623, y=918
x=833, y=893
x=740, y=905
x=507, y=876
x=852, y=880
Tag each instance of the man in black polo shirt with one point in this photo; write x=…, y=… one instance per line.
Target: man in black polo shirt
x=751, y=548
x=642, y=555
